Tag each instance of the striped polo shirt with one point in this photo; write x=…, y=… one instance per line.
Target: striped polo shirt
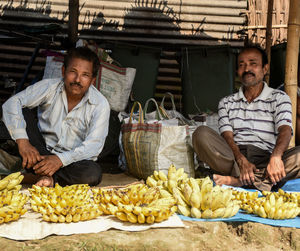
x=255, y=123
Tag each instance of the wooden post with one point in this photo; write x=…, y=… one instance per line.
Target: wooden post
x=73, y=22
x=292, y=52
x=269, y=36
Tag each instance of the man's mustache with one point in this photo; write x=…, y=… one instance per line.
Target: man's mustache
x=76, y=83
x=248, y=72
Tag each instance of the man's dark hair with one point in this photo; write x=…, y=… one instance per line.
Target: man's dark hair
x=259, y=49
x=85, y=54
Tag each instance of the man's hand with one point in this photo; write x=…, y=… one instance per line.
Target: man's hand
x=247, y=170
x=48, y=166
x=275, y=169
x=29, y=153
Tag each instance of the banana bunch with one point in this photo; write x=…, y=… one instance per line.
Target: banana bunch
x=135, y=203
x=291, y=196
x=273, y=206
x=244, y=196
x=203, y=200
x=195, y=198
x=11, y=182
x=12, y=205
x=64, y=204
x=160, y=179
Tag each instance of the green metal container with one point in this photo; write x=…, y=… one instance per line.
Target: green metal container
x=146, y=62
x=208, y=75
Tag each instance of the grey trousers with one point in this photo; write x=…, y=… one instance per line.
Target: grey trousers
x=212, y=149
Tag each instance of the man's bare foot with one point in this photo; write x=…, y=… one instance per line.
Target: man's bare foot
x=227, y=180
x=45, y=181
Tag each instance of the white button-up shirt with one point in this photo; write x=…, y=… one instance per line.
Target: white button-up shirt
x=74, y=136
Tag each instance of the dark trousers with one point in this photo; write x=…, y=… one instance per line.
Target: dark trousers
x=80, y=172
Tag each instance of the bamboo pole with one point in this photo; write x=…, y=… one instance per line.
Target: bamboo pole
x=269, y=36
x=292, y=53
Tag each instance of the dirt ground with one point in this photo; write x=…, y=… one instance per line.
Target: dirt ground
x=196, y=236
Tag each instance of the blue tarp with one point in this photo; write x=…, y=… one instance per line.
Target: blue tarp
x=291, y=186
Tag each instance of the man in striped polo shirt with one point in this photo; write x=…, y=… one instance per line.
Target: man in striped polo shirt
x=256, y=128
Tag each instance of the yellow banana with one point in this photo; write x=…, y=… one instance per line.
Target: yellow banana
x=172, y=173
x=137, y=210
x=156, y=176
x=150, y=219
x=219, y=213
x=195, y=199
x=184, y=210
x=162, y=176
x=121, y=216
x=187, y=191
x=13, y=183
x=76, y=217
x=195, y=212
x=164, y=193
x=179, y=173
x=131, y=217
x=151, y=182
x=172, y=184
x=141, y=218
x=12, y=176
x=207, y=214
x=3, y=184
x=61, y=219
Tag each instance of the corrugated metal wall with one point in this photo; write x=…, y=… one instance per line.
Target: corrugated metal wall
x=154, y=21
x=167, y=24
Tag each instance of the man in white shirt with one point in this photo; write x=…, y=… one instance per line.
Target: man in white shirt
x=256, y=128
x=72, y=125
